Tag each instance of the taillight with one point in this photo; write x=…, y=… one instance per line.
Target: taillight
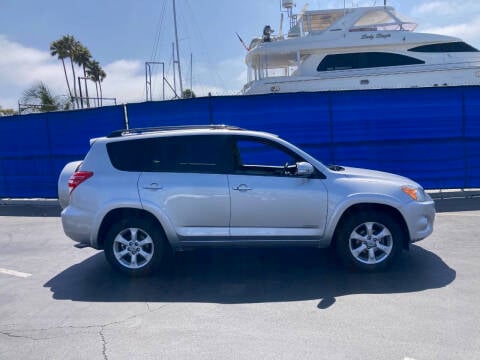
x=77, y=178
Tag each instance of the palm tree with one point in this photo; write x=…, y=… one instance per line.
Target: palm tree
x=69, y=48
x=82, y=58
x=39, y=98
x=73, y=48
x=97, y=75
x=58, y=48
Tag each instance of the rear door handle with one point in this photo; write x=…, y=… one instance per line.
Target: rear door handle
x=153, y=186
x=242, y=187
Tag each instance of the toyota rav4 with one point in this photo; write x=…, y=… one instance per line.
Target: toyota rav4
x=140, y=194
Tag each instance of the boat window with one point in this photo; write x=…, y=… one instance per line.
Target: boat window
x=405, y=22
x=319, y=21
x=457, y=46
x=365, y=60
x=377, y=20
x=375, y=17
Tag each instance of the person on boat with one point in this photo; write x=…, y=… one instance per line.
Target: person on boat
x=267, y=32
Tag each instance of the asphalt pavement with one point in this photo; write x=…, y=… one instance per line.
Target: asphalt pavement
x=60, y=302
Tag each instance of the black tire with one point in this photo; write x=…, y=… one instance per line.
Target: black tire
x=369, y=241
x=138, y=239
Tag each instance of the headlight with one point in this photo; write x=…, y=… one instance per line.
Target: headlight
x=415, y=193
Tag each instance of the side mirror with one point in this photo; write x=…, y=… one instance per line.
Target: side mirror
x=304, y=169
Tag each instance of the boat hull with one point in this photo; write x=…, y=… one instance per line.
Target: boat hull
x=413, y=77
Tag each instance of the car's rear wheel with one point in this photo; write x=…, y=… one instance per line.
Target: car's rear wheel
x=135, y=246
x=369, y=241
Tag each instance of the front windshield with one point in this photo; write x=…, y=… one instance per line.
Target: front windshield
x=377, y=20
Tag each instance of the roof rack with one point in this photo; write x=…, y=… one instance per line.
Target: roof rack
x=119, y=133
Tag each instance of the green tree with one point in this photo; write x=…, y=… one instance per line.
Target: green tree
x=7, y=112
x=82, y=57
x=39, y=98
x=59, y=48
x=188, y=94
x=69, y=47
x=97, y=75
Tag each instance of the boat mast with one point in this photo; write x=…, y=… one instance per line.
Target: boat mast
x=178, y=51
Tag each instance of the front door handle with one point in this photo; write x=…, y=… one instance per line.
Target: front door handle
x=153, y=186
x=242, y=187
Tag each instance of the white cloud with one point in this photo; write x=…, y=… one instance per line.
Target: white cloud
x=21, y=67
x=433, y=7
x=467, y=31
x=455, y=18
x=125, y=81
x=441, y=8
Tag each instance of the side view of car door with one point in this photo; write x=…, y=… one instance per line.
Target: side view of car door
x=270, y=201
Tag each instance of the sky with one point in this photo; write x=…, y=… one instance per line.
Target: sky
x=123, y=34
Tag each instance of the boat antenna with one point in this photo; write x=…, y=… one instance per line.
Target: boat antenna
x=178, y=51
x=288, y=5
x=243, y=42
x=280, y=31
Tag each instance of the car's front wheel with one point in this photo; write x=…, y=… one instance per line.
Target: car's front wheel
x=369, y=241
x=135, y=246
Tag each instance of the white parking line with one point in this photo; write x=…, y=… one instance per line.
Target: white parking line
x=14, y=273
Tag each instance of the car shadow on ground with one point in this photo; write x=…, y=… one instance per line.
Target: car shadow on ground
x=249, y=276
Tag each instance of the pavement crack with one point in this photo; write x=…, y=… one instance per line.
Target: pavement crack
x=104, y=343
x=17, y=336
x=149, y=310
x=22, y=333
x=152, y=310
x=12, y=335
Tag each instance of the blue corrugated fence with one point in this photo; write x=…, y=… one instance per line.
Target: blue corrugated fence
x=430, y=135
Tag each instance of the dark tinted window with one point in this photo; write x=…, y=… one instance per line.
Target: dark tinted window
x=445, y=47
x=173, y=154
x=365, y=60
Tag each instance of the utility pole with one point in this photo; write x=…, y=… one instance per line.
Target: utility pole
x=178, y=51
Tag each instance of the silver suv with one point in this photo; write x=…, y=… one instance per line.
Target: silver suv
x=141, y=193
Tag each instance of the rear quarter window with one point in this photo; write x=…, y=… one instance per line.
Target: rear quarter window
x=198, y=153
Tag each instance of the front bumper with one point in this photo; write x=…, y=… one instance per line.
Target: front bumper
x=420, y=217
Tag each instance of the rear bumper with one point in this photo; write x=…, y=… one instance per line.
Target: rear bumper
x=77, y=225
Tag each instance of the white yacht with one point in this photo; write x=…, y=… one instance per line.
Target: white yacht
x=355, y=49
